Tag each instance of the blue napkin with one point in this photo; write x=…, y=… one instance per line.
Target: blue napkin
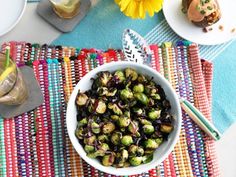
x=103, y=28
x=224, y=88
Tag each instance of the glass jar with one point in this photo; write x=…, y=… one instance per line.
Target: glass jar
x=66, y=8
x=13, y=90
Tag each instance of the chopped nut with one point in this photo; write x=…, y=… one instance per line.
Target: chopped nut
x=233, y=30
x=204, y=30
x=221, y=28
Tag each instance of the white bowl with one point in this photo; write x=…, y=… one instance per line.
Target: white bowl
x=165, y=148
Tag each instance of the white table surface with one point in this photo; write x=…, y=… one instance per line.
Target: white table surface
x=33, y=29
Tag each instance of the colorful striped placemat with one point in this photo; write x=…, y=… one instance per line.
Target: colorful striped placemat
x=37, y=144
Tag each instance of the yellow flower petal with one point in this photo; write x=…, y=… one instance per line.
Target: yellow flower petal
x=149, y=8
x=138, y=8
x=124, y=4
x=141, y=10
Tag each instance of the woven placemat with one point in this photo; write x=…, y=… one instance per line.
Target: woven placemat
x=37, y=144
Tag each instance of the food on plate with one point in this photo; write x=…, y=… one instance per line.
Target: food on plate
x=202, y=13
x=123, y=118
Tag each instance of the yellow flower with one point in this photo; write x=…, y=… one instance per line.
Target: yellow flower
x=138, y=8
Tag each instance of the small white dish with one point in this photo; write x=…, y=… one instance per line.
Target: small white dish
x=185, y=29
x=165, y=148
x=11, y=12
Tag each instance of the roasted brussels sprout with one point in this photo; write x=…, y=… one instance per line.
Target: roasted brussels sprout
x=115, y=108
x=100, y=107
x=147, y=158
x=154, y=114
x=116, y=138
x=79, y=132
x=129, y=72
x=138, y=88
x=123, y=119
x=103, y=138
x=133, y=127
x=89, y=148
x=104, y=77
x=135, y=161
x=90, y=140
x=150, y=144
x=102, y=91
x=127, y=140
x=166, y=128
x=145, y=121
x=148, y=129
x=120, y=76
x=108, y=159
x=142, y=98
x=126, y=94
x=141, y=78
x=108, y=127
x=95, y=128
x=81, y=99
x=138, y=111
x=114, y=117
x=83, y=122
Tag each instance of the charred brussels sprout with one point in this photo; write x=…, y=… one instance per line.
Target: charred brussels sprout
x=79, y=132
x=138, y=88
x=83, y=122
x=114, y=117
x=81, y=99
x=150, y=144
x=108, y=127
x=90, y=140
x=142, y=79
x=111, y=92
x=129, y=72
x=120, y=76
x=102, y=91
x=115, y=108
x=135, y=161
x=133, y=127
x=140, y=152
x=104, y=77
x=126, y=94
x=123, y=121
x=116, y=138
x=108, y=159
x=138, y=111
x=89, y=148
x=154, y=114
x=95, y=128
x=142, y=98
x=145, y=121
x=133, y=149
x=147, y=158
x=148, y=129
x=100, y=107
x=127, y=140
x=103, y=138
x=166, y=128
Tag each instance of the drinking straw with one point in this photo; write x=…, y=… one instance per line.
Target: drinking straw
x=7, y=61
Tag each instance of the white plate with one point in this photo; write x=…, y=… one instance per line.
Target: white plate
x=184, y=28
x=11, y=12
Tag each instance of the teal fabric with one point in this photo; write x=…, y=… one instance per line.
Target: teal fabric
x=103, y=27
x=224, y=88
